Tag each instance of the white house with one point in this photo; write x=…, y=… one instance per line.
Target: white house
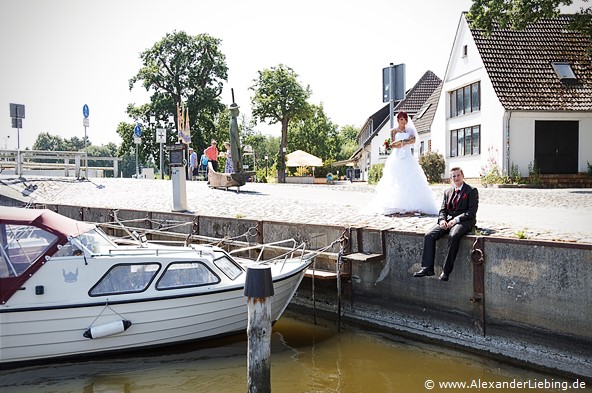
x=516, y=98
x=377, y=127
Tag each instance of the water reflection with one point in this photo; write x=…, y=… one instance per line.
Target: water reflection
x=304, y=358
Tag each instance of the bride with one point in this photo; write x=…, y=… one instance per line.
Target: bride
x=403, y=187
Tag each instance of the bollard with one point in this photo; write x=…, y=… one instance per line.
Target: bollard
x=259, y=289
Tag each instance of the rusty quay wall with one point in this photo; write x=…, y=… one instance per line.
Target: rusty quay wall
x=525, y=301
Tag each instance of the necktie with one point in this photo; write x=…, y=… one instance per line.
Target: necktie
x=454, y=200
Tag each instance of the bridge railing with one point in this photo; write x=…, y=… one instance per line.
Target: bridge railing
x=68, y=163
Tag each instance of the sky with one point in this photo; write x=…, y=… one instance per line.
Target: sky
x=59, y=55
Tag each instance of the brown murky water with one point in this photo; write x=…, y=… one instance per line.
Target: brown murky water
x=304, y=358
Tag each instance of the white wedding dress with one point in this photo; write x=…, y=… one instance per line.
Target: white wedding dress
x=403, y=187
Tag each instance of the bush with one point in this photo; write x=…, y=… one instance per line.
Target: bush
x=322, y=171
x=589, y=169
x=490, y=172
x=534, y=174
x=375, y=173
x=433, y=166
x=515, y=177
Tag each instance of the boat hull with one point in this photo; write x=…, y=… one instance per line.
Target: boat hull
x=58, y=331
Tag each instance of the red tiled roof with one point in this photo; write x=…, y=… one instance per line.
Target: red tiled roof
x=418, y=95
x=519, y=65
x=425, y=117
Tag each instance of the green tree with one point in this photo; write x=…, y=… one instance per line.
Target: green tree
x=348, y=142
x=109, y=150
x=180, y=69
x=315, y=134
x=127, y=150
x=280, y=98
x=76, y=144
x=517, y=14
x=46, y=141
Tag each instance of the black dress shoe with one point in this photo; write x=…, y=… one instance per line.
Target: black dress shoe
x=425, y=271
x=443, y=277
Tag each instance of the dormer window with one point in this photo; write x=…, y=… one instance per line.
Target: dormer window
x=423, y=111
x=564, y=71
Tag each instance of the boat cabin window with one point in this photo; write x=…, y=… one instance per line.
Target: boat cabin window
x=183, y=274
x=228, y=266
x=21, y=245
x=126, y=278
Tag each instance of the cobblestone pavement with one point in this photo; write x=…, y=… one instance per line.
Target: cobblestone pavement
x=540, y=214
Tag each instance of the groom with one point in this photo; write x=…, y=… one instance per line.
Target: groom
x=458, y=215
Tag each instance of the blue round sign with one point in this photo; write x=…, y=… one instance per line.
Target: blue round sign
x=138, y=130
x=85, y=111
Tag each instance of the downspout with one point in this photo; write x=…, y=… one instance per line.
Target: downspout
x=507, y=117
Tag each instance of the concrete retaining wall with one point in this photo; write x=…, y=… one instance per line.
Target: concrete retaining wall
x=543, y=286
x=540, y=289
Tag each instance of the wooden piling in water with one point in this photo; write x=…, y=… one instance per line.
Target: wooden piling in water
x=259, y=289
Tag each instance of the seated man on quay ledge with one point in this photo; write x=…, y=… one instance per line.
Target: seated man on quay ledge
x=457, y=216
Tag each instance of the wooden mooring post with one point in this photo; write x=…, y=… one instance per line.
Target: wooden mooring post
x=259, y=289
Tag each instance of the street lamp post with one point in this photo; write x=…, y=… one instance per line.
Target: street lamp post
x=266, y=162
x=152, y=124
x=161, y=132
x=137, y=141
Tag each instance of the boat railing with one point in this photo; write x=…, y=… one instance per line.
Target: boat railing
x=292, y=251
x=154, y=251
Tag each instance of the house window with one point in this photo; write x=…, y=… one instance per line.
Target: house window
x=421, y=148
x=465, y=51
x=465, y=100
x=465, y=141
x=461, y=142
x=563, y=71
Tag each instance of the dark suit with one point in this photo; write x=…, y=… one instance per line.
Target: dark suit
x=463, y=207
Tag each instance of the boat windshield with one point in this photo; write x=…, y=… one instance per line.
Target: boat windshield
x=21, y=245
x=94, y=241
x=227, y=265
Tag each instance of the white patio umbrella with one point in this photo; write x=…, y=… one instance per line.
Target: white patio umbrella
x=302, y=158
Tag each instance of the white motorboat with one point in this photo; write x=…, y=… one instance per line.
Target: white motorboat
x=67, y=290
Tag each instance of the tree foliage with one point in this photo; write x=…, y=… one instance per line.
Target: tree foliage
x=280, y=98
x=348, y=142
x=316, y=134
x=46, y=141
x=179, y=69
x=517, y=14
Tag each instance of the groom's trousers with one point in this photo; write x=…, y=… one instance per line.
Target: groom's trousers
x=429, y=246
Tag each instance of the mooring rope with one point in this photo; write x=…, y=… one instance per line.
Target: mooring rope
x=107, y=306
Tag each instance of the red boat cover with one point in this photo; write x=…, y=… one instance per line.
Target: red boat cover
x=60, y=226
x=52, y=222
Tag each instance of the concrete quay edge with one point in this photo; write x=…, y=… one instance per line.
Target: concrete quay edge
x=563, y=215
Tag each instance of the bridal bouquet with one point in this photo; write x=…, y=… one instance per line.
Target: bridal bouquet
x=387, y=145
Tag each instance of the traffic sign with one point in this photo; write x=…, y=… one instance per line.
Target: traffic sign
x=160, y=135
x=138, y=130
x=85, y=122
x=17, y=123
x=17, y=111
x=137, y=140
x=85, y=111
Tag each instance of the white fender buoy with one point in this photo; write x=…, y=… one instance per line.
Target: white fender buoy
x=107, y=329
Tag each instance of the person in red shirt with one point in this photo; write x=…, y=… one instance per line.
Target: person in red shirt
x=212, y=154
